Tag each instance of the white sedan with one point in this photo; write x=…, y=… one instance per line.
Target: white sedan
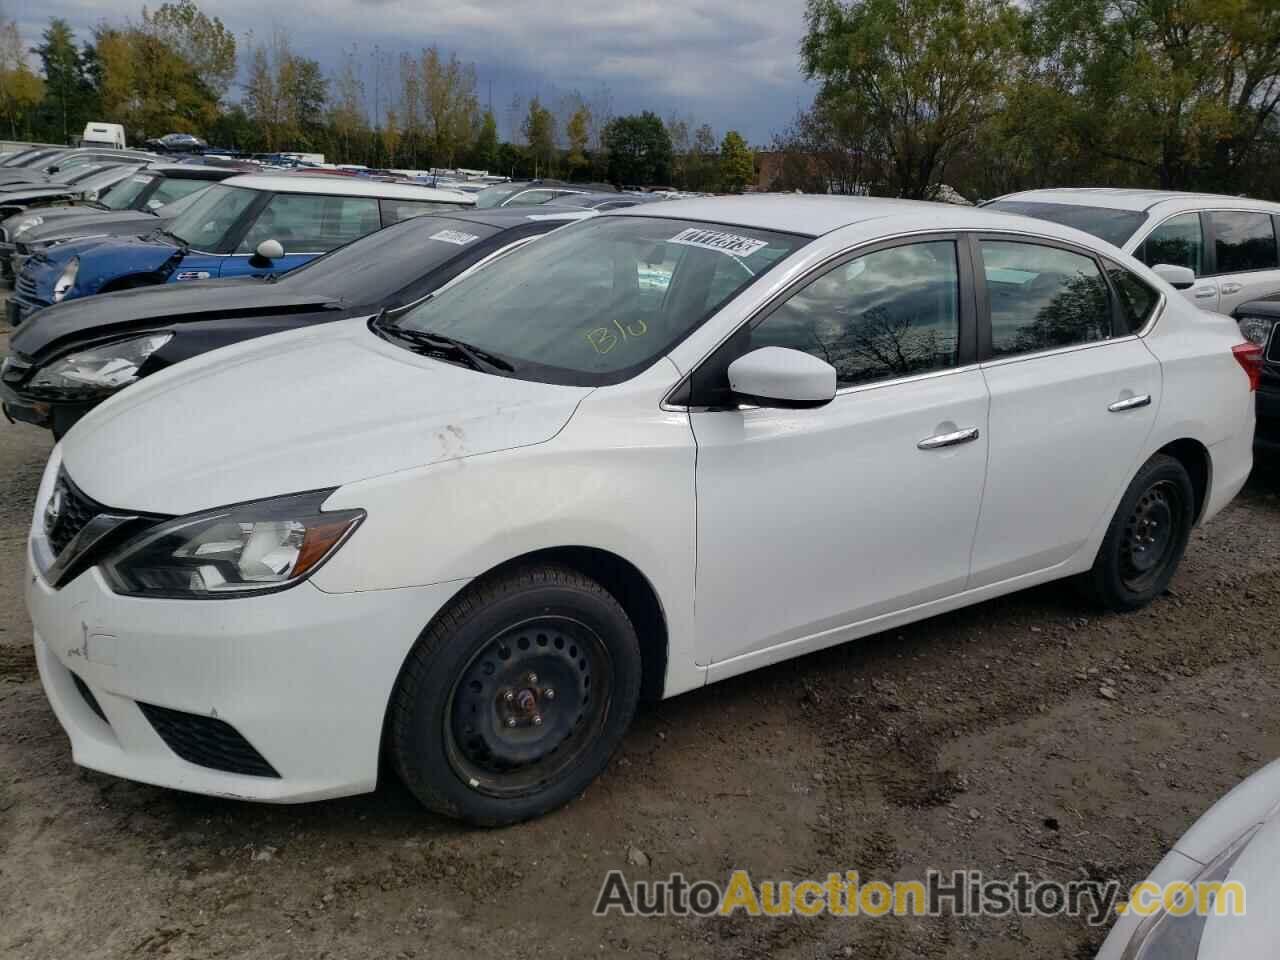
x=651, y=451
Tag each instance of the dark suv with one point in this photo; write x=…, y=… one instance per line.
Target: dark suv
x=1260, y=322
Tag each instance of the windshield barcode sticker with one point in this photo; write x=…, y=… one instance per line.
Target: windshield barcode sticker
x=729, y=243
x=454, y=236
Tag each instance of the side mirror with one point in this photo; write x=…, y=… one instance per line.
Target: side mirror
x=270, y=250
x=780, y=377
x=1180, y=278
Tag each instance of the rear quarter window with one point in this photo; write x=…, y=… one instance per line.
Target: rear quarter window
x=1137, y=300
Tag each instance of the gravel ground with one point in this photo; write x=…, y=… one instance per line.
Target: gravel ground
x=979, y=739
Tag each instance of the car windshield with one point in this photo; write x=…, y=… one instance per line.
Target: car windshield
x=205, y=223
x=76, y=174
x=493, y=196
x=1113, y=226
x=171, y=210
x=374, y=267
x=123, y=194
x=599, y=301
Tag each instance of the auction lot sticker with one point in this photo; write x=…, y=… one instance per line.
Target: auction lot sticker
x=730, y=243
x=454, y=236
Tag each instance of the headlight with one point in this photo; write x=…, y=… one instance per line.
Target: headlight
x=1166, y=936
x=1257, y=329
x=67, y=280
x=26, y=224
x=108, y=366
x=247, y=549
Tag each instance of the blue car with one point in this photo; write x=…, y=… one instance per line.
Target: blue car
x=249, y=226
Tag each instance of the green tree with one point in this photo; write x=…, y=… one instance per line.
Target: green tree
x=68, y=99
x=639, y=150
x=539, y=129
x=737, y=165
x=925, y=72
x=578, y=131
x=701, y=167
x=201, y=42
x=452, y=111
x=485, y=152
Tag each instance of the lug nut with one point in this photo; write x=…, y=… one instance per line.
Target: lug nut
x=533, y=678
x=537, y=720
x=549, y=693
x=511, y=721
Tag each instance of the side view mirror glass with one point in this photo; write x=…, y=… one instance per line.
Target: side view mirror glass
x=1180, y=278
x=781, y=377
x=270, y=250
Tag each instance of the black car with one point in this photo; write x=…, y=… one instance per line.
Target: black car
x=1260, y=322
x=130, y=208
x=75, y=354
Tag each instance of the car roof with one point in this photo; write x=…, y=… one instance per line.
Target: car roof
x=191, y=171
x=815, y=214
x=1124, y=198
x=503, y=218
x=348, y=187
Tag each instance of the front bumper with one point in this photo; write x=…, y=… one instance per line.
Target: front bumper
x=303, y=676
x=56, y=415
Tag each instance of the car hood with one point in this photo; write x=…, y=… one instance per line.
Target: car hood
x=314, y=408
x=85, y=221
x=105, y=259
x=32, y=194
x=94, y=318
x=1253, y=935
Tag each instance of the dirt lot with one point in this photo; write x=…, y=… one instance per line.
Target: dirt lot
x=979, y=739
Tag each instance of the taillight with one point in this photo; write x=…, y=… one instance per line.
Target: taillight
x=1249, y=356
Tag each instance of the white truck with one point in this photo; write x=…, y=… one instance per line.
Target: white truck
x=103, y=135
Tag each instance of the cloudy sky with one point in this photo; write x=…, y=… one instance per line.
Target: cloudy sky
x=729, y=63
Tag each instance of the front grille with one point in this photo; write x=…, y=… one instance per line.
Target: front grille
x=207, y=742
x=26, y=288
x=88, y=697
x=66, y=513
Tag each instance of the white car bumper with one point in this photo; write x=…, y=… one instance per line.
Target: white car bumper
x=300, y=677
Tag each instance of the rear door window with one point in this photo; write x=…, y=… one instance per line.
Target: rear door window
x=1243, y=241
x=1178, y=241
x=1043, y=298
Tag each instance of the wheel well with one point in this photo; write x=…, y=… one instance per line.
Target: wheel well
x=630, y=588
x=1194, y=457
x=130, y=282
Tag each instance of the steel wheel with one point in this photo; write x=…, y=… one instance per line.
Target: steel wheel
x=1151, y=535
x=527, y=705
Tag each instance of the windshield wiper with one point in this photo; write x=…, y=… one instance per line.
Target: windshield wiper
x=473, y=357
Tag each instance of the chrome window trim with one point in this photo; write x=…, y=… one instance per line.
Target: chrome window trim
x=811, y=274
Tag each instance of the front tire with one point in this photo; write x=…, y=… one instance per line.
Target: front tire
x=515, y=697
x=1146, y=539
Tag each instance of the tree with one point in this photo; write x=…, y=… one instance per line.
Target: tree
x=20, y=89
x=639, y=150
x=701, y=167
x=539, y=133
x=452, y=111
x=737, y=166
x=200, y=41
x=485, y=151
x=68, y=94
x=578, y=131
x=925, y=72
x=347, y=118
x=391, y=135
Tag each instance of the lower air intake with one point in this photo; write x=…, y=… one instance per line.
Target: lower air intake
x=207, y=742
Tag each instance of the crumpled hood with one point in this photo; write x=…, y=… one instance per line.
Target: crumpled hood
x=105, y=259
x=85, y=221
x=298, y=411
x=11, y=195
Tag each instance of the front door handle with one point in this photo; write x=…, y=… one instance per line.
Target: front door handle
x=1204, y=293
x=1130, y=403
x=948, y=439
x=1231, y=287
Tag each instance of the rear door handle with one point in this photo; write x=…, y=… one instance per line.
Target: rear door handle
x=1231, y=287
x=948, y=439
x=1130, y=403
x=1204, y=293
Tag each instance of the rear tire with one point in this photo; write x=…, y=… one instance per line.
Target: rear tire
x=1146, y=539
x=516, y=696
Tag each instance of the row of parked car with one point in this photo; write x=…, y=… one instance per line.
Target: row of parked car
x=470, y=473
